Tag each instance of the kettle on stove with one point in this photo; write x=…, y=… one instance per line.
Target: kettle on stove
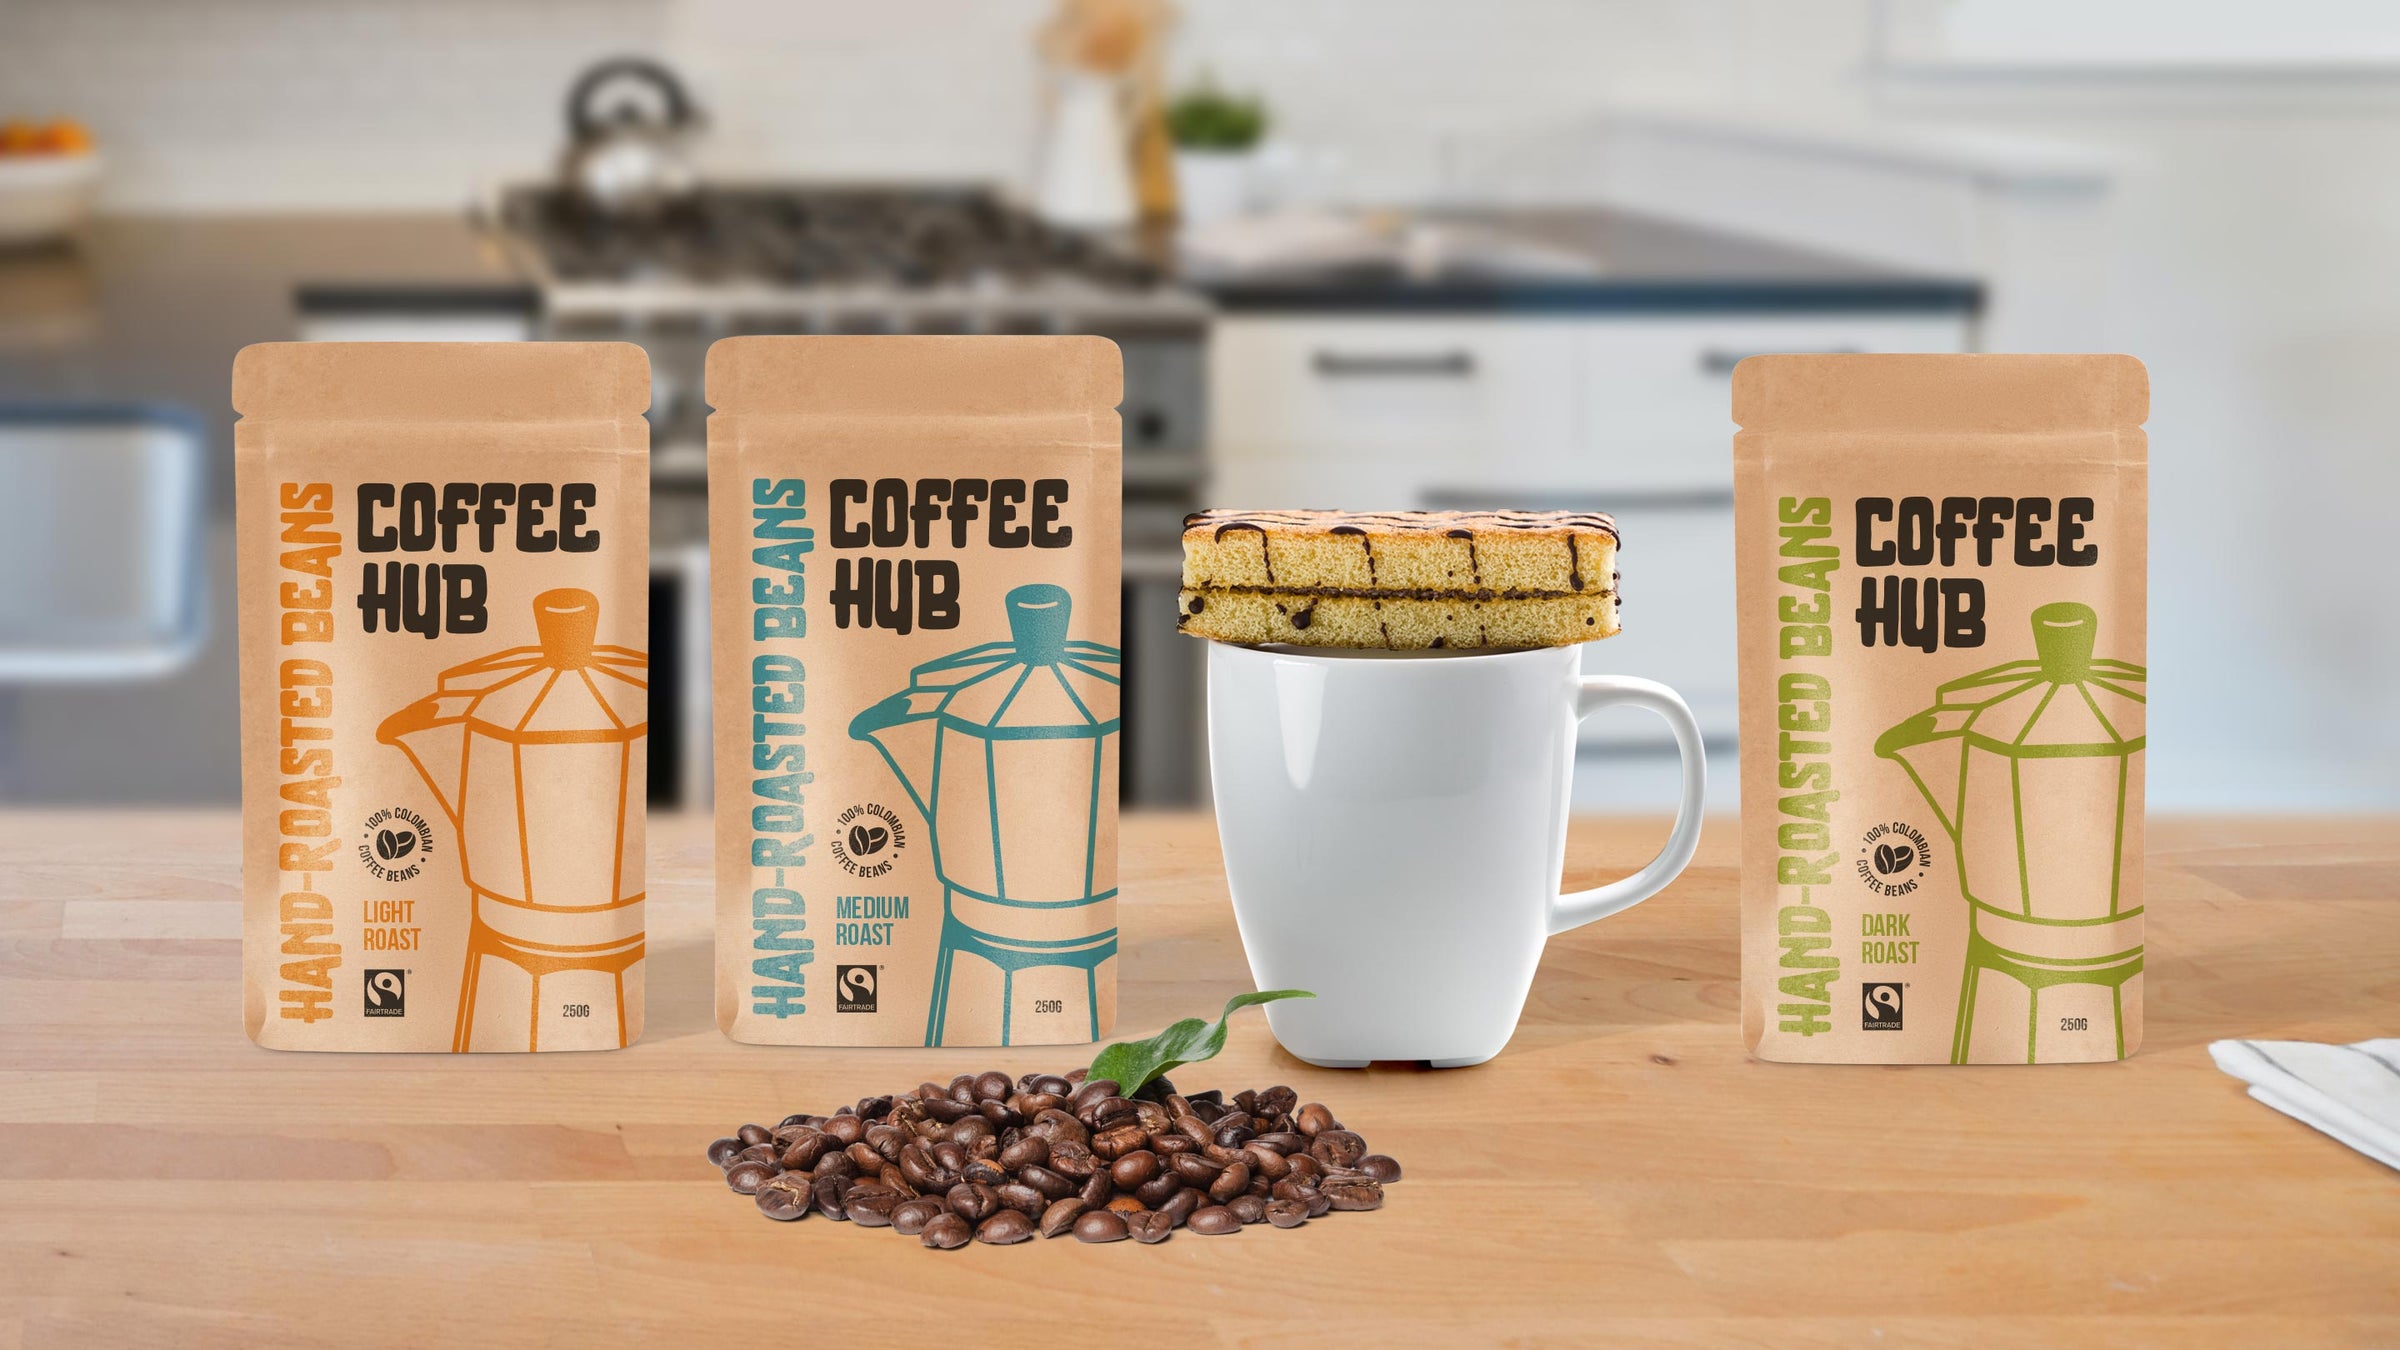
x=630, y=125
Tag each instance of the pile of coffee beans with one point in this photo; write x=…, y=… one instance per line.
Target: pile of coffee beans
x=991, y=1159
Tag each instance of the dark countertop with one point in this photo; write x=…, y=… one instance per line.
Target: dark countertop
x=151, y=309
x=1634, y=264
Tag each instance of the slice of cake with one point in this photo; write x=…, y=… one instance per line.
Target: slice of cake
x=1403, y=580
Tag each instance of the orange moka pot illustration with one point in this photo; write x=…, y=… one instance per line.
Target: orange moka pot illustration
x=537, y=755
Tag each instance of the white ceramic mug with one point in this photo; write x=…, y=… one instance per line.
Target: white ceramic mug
x=1394, y=825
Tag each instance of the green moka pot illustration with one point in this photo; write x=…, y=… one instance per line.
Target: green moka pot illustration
x=1009, y=751
x=2030, y=767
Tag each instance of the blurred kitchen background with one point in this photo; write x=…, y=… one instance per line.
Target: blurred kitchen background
x=1373, y=253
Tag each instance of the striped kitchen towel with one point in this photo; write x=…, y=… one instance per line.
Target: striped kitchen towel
x=2351, y=1092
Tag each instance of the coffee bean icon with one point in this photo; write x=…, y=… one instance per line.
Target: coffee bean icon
x=1890, y=858
x=391, y=845
x=868, y=840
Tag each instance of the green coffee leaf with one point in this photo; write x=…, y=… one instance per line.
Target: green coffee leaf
x=1134, y=1063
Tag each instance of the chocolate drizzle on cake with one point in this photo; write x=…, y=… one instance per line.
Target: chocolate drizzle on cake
x=1401, y=522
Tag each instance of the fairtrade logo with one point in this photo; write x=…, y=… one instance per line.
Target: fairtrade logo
x=1890, y=858
x=392, y=845
x=387, y=993
x=854, y=988
x=868, y=840
x=1879, y=1007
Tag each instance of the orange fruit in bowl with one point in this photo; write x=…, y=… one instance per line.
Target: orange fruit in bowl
x=19, y=137
x=66, y=136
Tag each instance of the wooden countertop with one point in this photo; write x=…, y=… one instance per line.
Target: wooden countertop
x=164, y=1181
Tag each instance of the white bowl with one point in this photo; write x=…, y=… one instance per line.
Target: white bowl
x=44, y=196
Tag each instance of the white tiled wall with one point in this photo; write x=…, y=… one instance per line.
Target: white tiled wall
x=237, y=104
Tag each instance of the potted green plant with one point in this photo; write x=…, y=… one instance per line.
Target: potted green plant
x=1216, y=137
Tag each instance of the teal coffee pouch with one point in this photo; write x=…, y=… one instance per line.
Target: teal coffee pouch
x=914, y=597
x=1942, y=565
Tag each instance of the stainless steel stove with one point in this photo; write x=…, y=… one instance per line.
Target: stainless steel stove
x=810, y=258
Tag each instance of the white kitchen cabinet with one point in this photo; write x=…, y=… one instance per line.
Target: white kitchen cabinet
x=1629, y=414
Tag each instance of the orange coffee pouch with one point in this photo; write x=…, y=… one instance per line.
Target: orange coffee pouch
x=444, y=553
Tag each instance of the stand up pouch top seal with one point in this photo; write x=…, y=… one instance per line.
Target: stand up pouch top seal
x=444, y=563
x=914, y=599
x=1942, y=579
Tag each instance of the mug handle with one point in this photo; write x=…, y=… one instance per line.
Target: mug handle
x=1593, y=693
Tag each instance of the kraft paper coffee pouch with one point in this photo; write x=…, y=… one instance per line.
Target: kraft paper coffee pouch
x=444, y=554
x=1942, y=580
x=915, y=572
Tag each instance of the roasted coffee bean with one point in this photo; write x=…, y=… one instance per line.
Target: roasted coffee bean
x=1305, y=1168
x=945, y=1232
x=835, y=1164
x=1031, y=1104
x=759, y=1153
x=1110, y=1112
x=1029, y=1148
x=785, y=1198
x=1231, y=1182
x=973, y=1201
x=1126, y=1204
x=1290, y=1188
x=1181, y=1204
x=918, y=1166
x=949, y=1155
x=865, y=1159
x=1167, y=1146
x=1221, y=1155
x=1234, y=1134
x=1285, y=1142
x=993, y=1087
x=1197, y=1130
x=999, y=1114
x=875, y=1108
x=723, y=1151
x=1101, y=1225
x=1382, y=1167
x=1248, y=1208
x=845, y=1130
x=1120, y=1141
x=1133, y=1169
x=1073, y=1160
x=829, y=1192
x=887, y=1140
x=1060, y=1216
x=1337, y=1148
x=1022, y=1198
x=1055, y=1185
x=748, y=1175
x=754, y=1134
x=1004, y=1228
x=1097, y=1189
x=1318, y=1203
x=1158, y=1189
x=870, y=1204
x=1061, y=1127
x=962, y=1089
x=1266, y=1162
x=985, y=1171
x=1196, y=1169
x=1052, y=1084
x=896, y=1178
x=795, y=1118
x=801, y=1154
x=1313, y=1118
x=1287, y=1213
x=928, y=1091
x=1149, y=1228
x=971, y=1130
x=909, y=1217
x=1213, y=1221
x=945, y=1110
x=1092, y=1090
x=1276, y=1101
x=1360, y=1192
x=1152, y=1116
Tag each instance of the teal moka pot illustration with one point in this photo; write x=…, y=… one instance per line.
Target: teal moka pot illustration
x=2031, y=767
x=1009, y=751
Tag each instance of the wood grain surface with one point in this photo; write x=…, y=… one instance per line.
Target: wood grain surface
x=1640, y=1180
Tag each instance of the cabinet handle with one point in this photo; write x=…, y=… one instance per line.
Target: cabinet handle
x=1395, y=365
x=1721, y=361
